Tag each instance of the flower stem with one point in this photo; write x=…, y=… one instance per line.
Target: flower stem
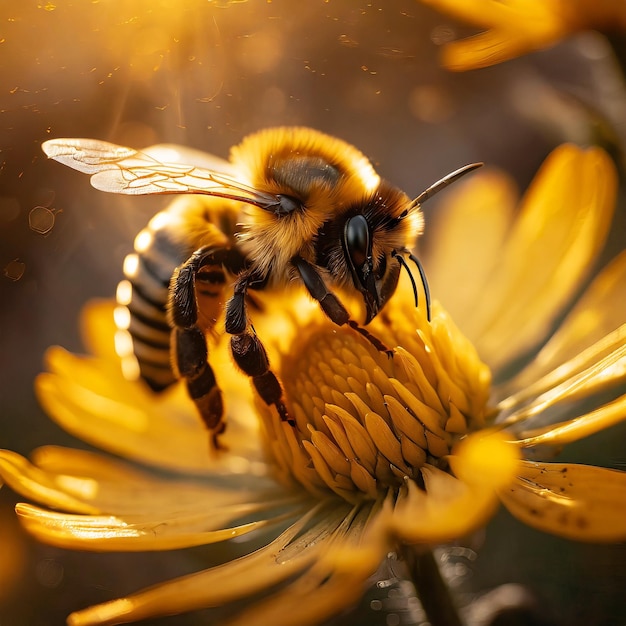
x=432, y=590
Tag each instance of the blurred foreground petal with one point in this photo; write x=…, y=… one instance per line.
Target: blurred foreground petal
x=518, y=27
x=563, y=224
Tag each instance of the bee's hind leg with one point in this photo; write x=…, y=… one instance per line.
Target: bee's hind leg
x=248, y=352
x=191, y=360
x=201, y=276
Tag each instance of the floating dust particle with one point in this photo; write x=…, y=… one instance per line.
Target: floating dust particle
x=347, y=41
x=442, y=34
x=41, y=220
x=14, y=270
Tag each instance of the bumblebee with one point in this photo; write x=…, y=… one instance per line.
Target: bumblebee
x=291, y=204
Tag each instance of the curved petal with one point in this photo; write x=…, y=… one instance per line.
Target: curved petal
x=600, y=366
x=292, y=552
x=575, y=501
x=477, y=209
x=601, y=310
x=451, y=507
x=563, y=224
x=514, y=28
x=332, y=592
x=107, y=533
x=476, y=12
x=578, y=428
x=336, y=580
x=97, y=329
x=87, y=488
x=119, y=416
x=496, y=46
x=35, y=484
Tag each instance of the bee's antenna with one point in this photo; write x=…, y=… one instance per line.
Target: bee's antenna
x=444, y=182
x=420, y=269
x=404, y=264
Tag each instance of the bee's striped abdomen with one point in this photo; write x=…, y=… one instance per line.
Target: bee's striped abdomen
x=144, y=296
x=170, y=238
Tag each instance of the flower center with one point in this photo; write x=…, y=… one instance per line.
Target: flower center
x=365, y=422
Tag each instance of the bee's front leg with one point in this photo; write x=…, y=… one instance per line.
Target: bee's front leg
x=330, y=303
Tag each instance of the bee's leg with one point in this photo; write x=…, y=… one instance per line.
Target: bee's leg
x=248, y=352
x=200, y=278
x=330, y=303
x=190, y=355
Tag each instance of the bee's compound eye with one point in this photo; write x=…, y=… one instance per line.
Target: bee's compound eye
x=357, y=240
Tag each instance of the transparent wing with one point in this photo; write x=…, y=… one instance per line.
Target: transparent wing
x=117, y=169
x=174, y=153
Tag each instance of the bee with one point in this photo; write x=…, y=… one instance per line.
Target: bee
x=291, y=205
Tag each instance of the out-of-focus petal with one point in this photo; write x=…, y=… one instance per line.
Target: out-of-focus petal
x=475, y=12
x=451, y=507
x=577, y=428
x=477, y=209
x=97, y=330
x=107, y=533
x=126, y=491
x=580, y=502
x=601, y=310
x=517, y=27
x=563, y=224
x=119, y=416
x=496, y=46
x=290, y=553
x=35, y=484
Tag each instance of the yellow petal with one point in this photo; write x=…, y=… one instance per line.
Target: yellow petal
x=477, y=209
x=575, y=501
x=448, y=510
x=496, y=46
x=600, y=365
x=455, y=506
x=601, y=310
x=563, y=224
x=84, y=482
x=107, y=533
x=335, y=581
x=295, y=549
x=514, y=28
x=158, y=433
x=577, y=428
x=476, y=12
x=89, y=397
x=98, y=329
x=485, y=458
x=35, y=484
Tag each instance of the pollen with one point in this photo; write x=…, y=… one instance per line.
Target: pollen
x=365, y=422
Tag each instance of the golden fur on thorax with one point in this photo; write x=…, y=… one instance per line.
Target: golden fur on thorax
x=265, y=160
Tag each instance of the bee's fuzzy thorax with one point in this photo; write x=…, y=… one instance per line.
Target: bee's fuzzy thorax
x=260, y=154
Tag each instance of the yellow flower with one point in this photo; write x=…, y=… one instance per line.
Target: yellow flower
x=412, y=450
x=518, y=27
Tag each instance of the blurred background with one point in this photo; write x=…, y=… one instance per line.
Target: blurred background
x=206, y=73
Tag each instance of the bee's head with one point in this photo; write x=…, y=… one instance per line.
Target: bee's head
x=373, y=241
